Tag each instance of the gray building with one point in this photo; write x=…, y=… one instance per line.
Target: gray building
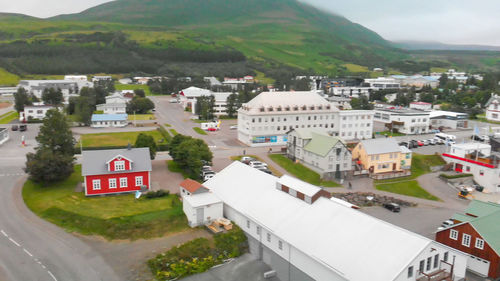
x=320, y=152
x=4, y=135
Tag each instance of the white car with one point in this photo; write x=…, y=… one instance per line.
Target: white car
x=447, y=223
x=432, y=141
x=173, y=101
x=255, y=164
x=426, y=142
x=208, y=176
x=233, y=127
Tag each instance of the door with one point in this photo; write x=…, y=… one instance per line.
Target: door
x=200, y=214
x=394, y=166
x=459, y=167
x=478, y=265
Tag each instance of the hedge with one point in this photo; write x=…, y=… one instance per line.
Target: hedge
x=449, y=177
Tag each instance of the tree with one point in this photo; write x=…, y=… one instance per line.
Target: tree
x=84, y=108
x=52, y=96
x=144, y=140
x=204, y=107
x=361, y=103
x=443, y=80
x=21, y=98
x=55, y=134
x=189, y=153
x=140, y=93
x=232, y=105
x=45, y=166
x=140, y=105
x=427, y=97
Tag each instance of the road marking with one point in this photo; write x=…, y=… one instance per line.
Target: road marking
x=13, y=241
x=51, y=275
x=27, y=252
x=4, y=234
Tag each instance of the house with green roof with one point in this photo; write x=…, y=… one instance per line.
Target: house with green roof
x=476, y=232
x=316, y=149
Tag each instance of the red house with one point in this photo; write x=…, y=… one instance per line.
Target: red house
x=116, y=171
x=477, y=233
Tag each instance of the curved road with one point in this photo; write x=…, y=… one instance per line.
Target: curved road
x=31, y=248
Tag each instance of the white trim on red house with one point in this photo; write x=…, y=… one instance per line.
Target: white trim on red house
x=119, y=156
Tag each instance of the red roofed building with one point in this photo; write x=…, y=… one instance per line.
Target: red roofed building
x=200, y=205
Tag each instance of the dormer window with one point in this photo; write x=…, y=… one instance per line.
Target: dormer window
x=119, y=165
x=279, y=108
x=327, y=107
x=311, y=107
x=295, y=108
x=262, y=109
x=270, y=108
x=287, y=108
x=320, y=107
x=304, y=107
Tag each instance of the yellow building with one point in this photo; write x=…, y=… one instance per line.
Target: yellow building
x=383, y=158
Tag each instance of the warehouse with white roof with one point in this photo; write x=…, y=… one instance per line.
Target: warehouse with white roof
x=304, y=235
x=267, y=118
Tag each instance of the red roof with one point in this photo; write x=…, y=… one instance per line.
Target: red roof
x=191, y=185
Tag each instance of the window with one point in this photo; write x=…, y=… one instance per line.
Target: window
x=445, y=257
x=410, y=271
x=421, y=266
x=138, y=181
x=479, y=243
x=429, y=261
x=96, y=184
x=123, y=182
x=280, y=245
x=466, y=240
x=258, y=230
x=119, y=165
x=248, y=224
x=436, y=261
x=112, y=183
x=269, y=237
x=453, y=234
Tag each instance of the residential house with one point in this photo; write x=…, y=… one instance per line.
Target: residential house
x=4, y=135
x=383, y=158
x=266, y=119
x=478, y=160
x=403, y=120
x=322, y=153
x=212, y=81
x=200, y=205
x=116, y=171
x=34, y=112
x=112, y=108
x=449, y=119
x=118, y=97
x=476, y=232
x=188, y=98
x=37, y=87
x=492, y=110
x=304, y=235
x=109, y=120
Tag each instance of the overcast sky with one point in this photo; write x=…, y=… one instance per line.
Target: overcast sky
x=447, y=21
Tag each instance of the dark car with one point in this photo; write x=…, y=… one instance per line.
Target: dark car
x=15, y=128
x=393, y=207
x=477, y=138
x=413, y=143
x=478, y=187
x=403, y=143
x=23, y=128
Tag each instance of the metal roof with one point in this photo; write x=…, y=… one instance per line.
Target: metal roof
x=94, y=161
x=380, y=146
x=321, y=144
x=109, y=117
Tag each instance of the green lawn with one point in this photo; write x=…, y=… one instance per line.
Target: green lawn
x=113, y=217
x=167, y=125
x=420, y=165
x=141, y=117
x=300, y=171
x=392, y=134
x=199, y=131
x=410, y=188
x=174, y=168
x=120, y=87
x=7, y=78
x=116, y=139
x=9, y=117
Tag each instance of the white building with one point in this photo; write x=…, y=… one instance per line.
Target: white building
x=320, y=152
x=200, y=205
x=188, y=97
x=212, y=81
x=417, y=81
x=420, y=105
x=492, y=109
x=449, y=119
x=7, y=91
x=406, y=121
x=267, y=118
x=76, y=78
x=117, y=98
x=304, y=235
x=115, y=104
x=67, y=87
x=109, y=120
x=476, y=159
x=351, y=92
x=37, y=112
x=4, y=135
x=341, y=103
x=383, y=83
x=101, y=78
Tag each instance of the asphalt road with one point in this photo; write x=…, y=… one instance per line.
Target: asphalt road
x=31, y=248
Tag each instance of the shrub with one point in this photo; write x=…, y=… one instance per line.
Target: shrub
x=457, y=176
x=157, y=194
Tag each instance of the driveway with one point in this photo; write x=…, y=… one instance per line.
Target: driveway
x=162, y=178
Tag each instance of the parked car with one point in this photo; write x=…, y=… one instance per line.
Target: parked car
x=420, y=143
x=212, y=129
x=266, y=170
x=403, y=143
x=447, y=223
x=432, y=141
x=393, y=207
x=14, y=128
x=173, y=101
x=413, y=143
x=246, y=159
x=477, y=138
x=478, y=187
x=208, y=176
x=426, y=142
x=204, y=173
x=434, y=131
x=23, y=128
x=233, y=127
x=255, y=164
x=439, y=141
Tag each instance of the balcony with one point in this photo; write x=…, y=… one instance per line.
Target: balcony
x=438, y=275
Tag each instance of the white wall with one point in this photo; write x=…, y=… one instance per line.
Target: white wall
x=489, y=178
x=211, y=212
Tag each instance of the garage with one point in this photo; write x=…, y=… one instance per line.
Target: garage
x=478, y=265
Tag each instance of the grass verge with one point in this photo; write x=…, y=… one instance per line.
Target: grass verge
x=121, y=87
x=409, y=188
x=141, y=117
x=173, y=132
x=391, y=134
x=9, y=117
x=199, y=131
x=113, y=217
x=116, y=139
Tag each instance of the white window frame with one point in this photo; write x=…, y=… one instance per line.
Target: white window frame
x=137, y=180
x=122, y=181
x=479, y=244
x=268, y=237
x=454, y=234
x=119, y=165
x=280, y=245
x=96, y=184
x=112, y=183
x=466, y=240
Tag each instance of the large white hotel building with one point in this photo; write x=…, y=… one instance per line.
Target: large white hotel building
x=267, y=118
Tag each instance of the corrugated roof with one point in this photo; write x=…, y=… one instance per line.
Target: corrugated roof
x=380, y=146
x=321, y=144
x=94, y=161
x=202, y=199
x=109, y=117
x=343, y=239
x=298, y=185
x=489, y=228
